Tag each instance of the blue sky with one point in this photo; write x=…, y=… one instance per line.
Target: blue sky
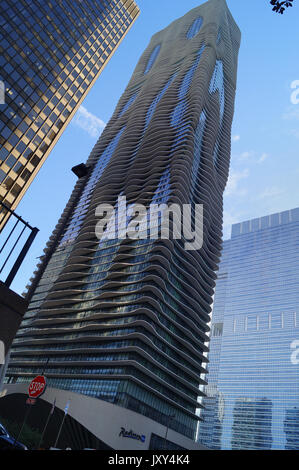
x=264, y=167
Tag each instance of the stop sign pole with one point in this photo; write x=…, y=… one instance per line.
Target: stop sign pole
x=36, y=388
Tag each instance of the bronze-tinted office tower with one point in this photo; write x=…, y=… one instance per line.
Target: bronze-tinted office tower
x=126, y=320
x=51, y=53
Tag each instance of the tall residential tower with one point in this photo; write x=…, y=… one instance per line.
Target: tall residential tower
x=51, y=53
x=126, y=321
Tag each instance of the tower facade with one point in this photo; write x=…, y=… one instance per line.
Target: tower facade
x=51, y=53
x=252, y=392
x=126, y=321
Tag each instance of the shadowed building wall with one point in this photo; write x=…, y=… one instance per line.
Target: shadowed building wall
x=12, y=309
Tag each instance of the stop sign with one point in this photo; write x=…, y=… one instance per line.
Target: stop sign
x=37, y=387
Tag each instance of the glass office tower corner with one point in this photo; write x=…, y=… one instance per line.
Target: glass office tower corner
x=51, y=53
x=126, y=321
x=253, y=380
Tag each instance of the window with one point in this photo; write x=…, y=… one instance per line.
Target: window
x=276, y=320
x=190, y=74
x=194, y=28
x=217, y=84
x=251, y=323
x=3, y=153
x=128, y=104
x=11, y=161
x=2, y=175
x=152, y=58
x=153, y=106
x=219, y=36
x=217, y=329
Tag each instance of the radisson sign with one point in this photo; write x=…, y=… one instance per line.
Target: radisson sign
x=132, y=435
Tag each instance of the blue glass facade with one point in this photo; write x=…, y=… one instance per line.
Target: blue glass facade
x=253, y=381
x=195, y=27
x=152, y=58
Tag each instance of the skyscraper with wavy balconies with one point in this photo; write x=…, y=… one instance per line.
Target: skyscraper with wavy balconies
x=124, y=322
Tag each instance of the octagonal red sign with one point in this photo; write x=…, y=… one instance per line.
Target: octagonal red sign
x=37, y=386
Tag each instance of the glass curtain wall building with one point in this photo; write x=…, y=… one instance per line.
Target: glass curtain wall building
x=253, y=380
x=51, y=53
x=126, y=320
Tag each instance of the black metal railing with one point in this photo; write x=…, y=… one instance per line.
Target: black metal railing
x=14, y=246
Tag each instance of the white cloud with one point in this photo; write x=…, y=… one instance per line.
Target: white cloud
x=236, y=138
x=292, y=112
x=270, y=192
x=246, y=155
x=232, y=186
x=294, y=133
x=88, y=122
x=230, y=219
x=263, y=158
